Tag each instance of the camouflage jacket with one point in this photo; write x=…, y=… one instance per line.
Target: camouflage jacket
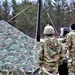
x=48, y=52
x=70, y=42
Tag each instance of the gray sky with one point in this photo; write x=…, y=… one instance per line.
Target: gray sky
x=16, y=0
x=29, y=0
x=19, y=1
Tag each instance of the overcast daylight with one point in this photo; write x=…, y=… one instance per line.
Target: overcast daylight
x=19, y=1
x=37, y=37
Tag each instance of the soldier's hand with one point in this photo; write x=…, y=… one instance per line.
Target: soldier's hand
x=65, y=61
x=54, y=60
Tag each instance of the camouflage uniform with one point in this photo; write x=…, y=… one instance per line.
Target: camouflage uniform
x=48, y=55
x=70, y=42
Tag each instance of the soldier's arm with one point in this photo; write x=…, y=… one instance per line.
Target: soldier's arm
x=66, y=47
x=40, y=54
x=68, y=42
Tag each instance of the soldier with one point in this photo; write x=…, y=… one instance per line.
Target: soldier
x=70, y=43
x=48, y=53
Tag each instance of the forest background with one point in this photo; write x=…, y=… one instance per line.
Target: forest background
x=61, y=13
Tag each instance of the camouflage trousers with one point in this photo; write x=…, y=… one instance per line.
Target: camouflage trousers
x=71, y=66
x=52, y=69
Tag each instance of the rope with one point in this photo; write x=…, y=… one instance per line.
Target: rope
x=51, y=21
x=19, y=13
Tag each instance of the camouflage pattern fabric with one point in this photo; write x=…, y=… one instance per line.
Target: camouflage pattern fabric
x=62, y=55
x=48, y=55
x=70, y=43
x=17, y=50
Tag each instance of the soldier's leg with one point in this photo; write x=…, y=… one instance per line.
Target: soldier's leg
x=63, y=69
